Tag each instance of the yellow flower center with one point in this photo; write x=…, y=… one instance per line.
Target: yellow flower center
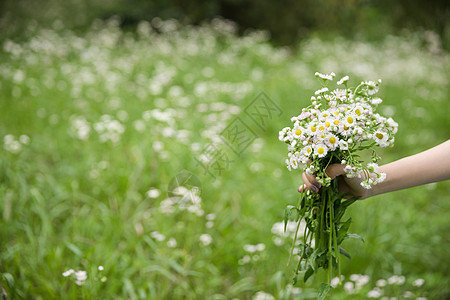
x=321, y=128
x=298, y=132
x=320, y=150
x=308, y=150
x=346, y=128
x=336, y=113
x=350, y=120
x=336, y=122
x=294, y=162
x=332, y=140
x=313, y=129
x=379, y=135
x=325, y=115
x=358, y=112
x=327, y=124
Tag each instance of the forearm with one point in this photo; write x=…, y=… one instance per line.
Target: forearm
x=429, y=166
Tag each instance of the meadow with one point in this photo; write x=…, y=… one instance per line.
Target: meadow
x=106, y=134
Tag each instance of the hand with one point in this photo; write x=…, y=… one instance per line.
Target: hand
x=345, y=185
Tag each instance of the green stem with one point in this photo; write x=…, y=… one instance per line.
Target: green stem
x=298, y=226
x=330, y=237
x=293, y=242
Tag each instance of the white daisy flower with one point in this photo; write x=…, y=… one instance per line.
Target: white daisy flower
x=358, y=111
x=343, y=80
x=373, y=167
x=325, y=76
x=282, y=134
x=376, y=101
x=349, y=120
x=288, y=164
x=381, y=177
x=372, y=87
x=332, y=141
x=312, y=129
x=321, y=127
x=325, y=114
x=321, y=91
x=365, y=185
x=293, y=162
x=307, y=151
x=328, y=123
x=343, y=145
x=344, y=130
x=298, y=131
x=380, y=137
x=320, y=150
x=335, y=121
x=321, y=136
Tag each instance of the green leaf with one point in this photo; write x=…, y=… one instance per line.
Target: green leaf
x=312, y=259
x=309, y=250
x=354, y=236
x=74, y=249
x=287, y=215
x=308, y=274
x=323, y=290
x=9, y=280
x=339, y=210
x=343, y=230
x=345, y=253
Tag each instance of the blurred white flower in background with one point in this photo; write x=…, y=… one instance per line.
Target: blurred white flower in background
x=407, y=294
x=206, y=239
x=68, y=273
x=375, y=293
x=381, y=283
x=158, y=236
x=171, y=243
x=109, y=129
x=349, y=287
x=336, y=281
x=418, y=282
x=81, y=277
x=153, y=193
x=13, y=145
x=263, y=296
x=398, y=280
x=80, y=127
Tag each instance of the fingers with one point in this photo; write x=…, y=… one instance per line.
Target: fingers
x=302, y=188
x=335, y=170
x=310, y=183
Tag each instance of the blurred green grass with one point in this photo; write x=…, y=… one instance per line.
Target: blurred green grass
x=70, y=200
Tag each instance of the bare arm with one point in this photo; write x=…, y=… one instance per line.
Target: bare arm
x=428, y=166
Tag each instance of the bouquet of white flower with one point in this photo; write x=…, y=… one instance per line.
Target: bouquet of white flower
x=333, y=129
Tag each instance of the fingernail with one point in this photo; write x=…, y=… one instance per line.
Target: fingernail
x=316, y=184
x=314, y=189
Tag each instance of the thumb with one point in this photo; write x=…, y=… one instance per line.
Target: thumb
x=335, y=170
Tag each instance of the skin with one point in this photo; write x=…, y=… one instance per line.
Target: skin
x=429, y=166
